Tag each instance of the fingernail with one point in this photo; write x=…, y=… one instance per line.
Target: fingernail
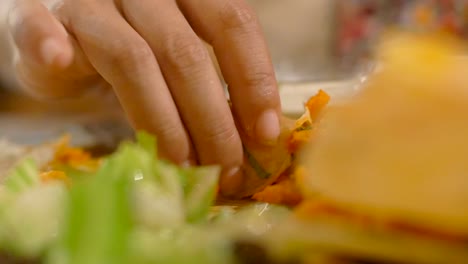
x=188, y=164
x=231, y=181
x=50, y=51
x=267, y=128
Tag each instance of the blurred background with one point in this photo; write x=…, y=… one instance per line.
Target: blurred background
x=314, y=44
x=316, y=40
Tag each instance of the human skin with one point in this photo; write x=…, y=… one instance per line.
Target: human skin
x=151, y=53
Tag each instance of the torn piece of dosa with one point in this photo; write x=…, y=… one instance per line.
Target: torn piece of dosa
x=264, y=164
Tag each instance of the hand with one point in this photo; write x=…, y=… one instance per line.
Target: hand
x=150, y=53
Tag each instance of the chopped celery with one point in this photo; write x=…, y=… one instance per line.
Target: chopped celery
x=23, y=176
x=99, y=221
x=30, y=212
x=200, y=192
x=188, y=245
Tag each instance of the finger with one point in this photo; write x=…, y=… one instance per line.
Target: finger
x=126, y=61
x=54, y=68
x=192, y=78
x=38, y=35
x=231, y=27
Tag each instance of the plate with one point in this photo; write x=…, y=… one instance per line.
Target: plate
x=295, y=95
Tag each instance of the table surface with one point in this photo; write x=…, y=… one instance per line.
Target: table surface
x=89, y=121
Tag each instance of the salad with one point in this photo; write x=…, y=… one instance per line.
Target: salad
x=128, y=207
x=61, y=205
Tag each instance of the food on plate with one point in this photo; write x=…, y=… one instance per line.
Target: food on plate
x=109, y=212
x=61, y=205
x=386, y=179
x=130, y=208
x=380, y=178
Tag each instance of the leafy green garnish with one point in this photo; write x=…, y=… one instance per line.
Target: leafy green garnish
x=187, y=245
x=99, y=220
x=147, y=142
x=133, y=191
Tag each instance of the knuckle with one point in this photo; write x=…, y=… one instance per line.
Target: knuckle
x=170, y=132
x=260, y=80
x=235, y=15
x=220, y=143
x=173, y=143
x=126, y=55
x=185, y=53
x=223, y=133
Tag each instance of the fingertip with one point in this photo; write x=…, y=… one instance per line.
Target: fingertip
x=39, y=36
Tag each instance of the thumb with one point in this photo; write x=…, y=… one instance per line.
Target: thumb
x=39, y=37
